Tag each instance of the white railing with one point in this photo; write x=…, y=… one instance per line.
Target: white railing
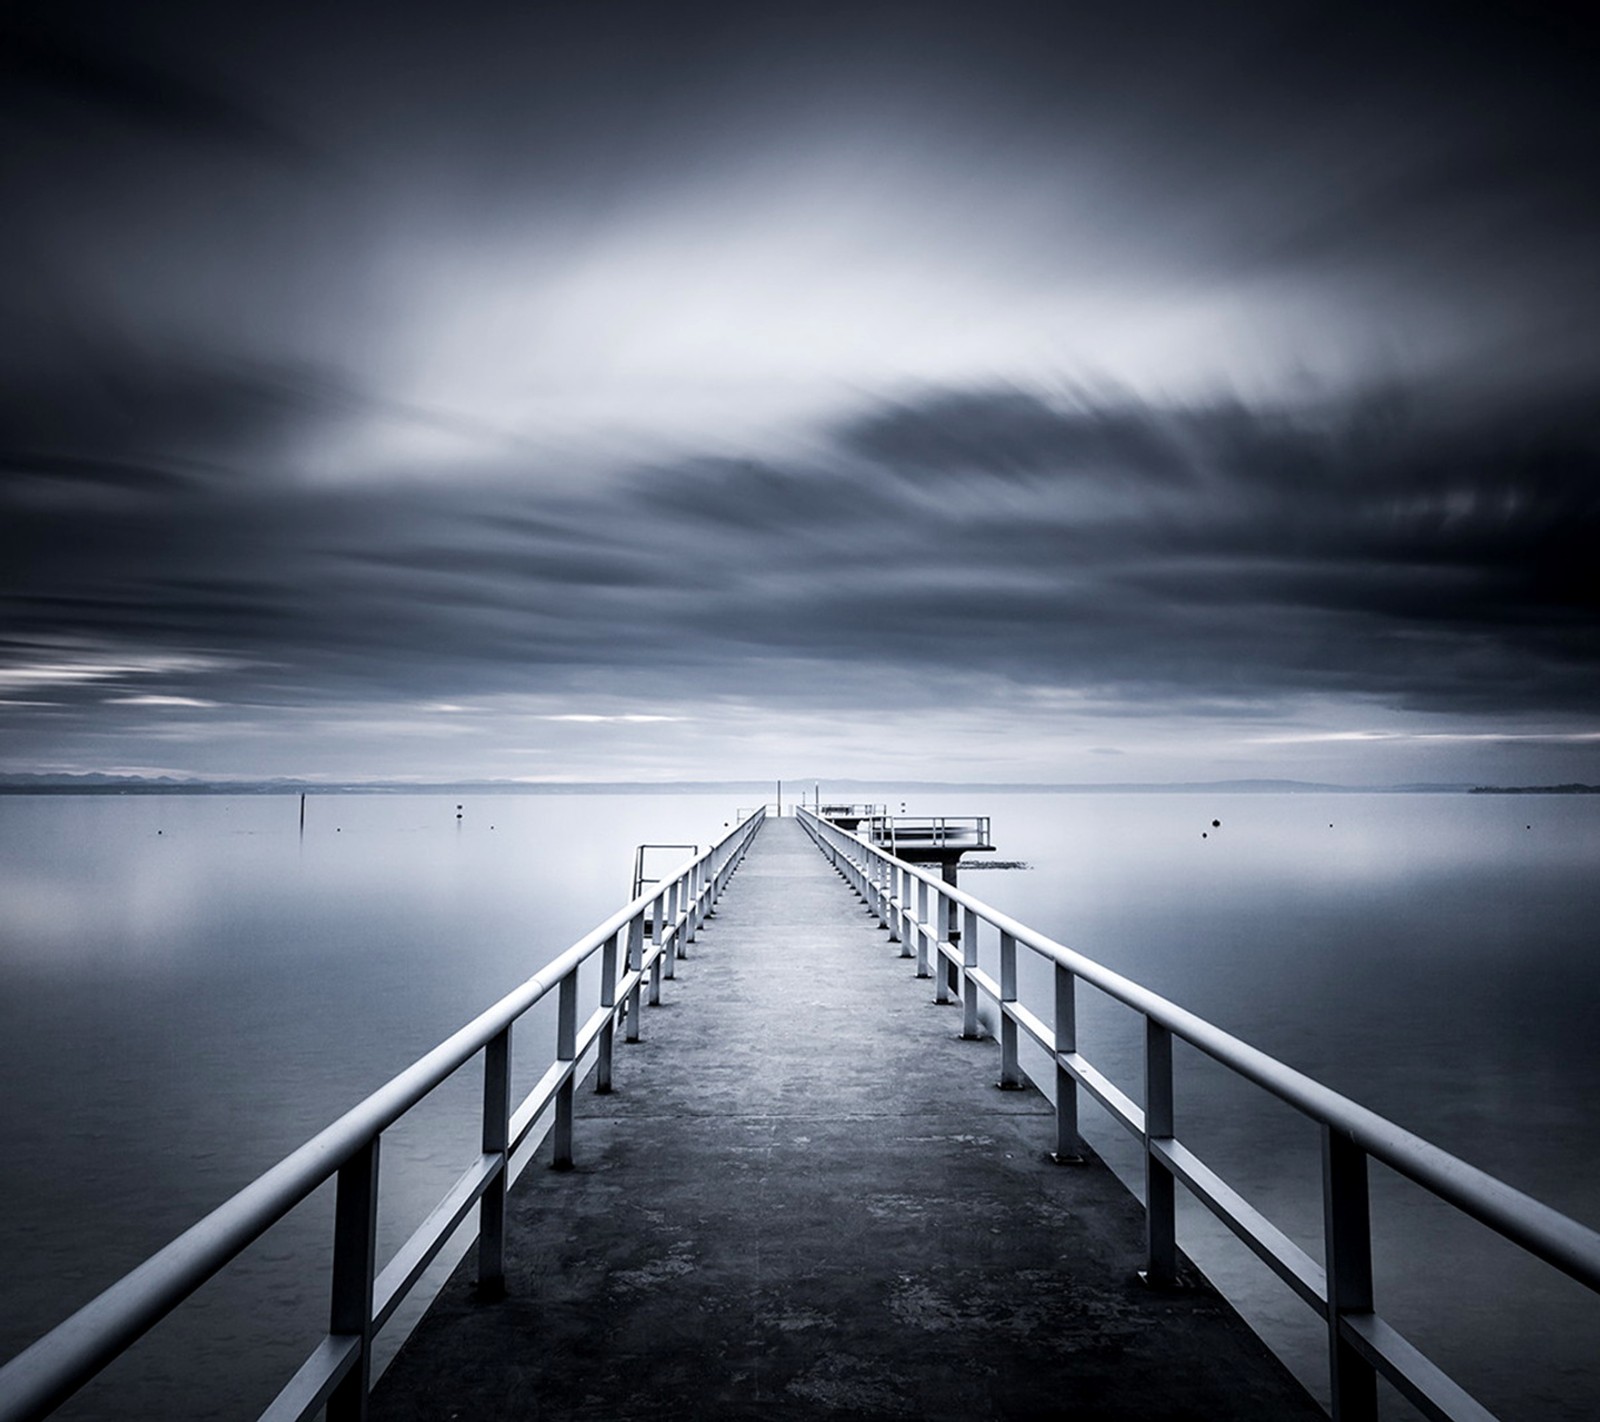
x=896, y=832
x=637, y=946
x=918, y=908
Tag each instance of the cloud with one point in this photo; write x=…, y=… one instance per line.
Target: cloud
x=630, y=718
x=1016, y=434
x=45, y=57
x=607, y=359
x=1198, y=558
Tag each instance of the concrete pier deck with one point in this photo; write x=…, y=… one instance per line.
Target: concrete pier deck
x=806, y=1199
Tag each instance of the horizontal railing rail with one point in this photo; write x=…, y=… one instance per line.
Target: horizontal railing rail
x=638, y=946
x=851, y=815
x=966, y=831
x=919, y=910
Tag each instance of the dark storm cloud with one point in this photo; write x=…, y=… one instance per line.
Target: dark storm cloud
x=1442, y=570
x=1199, y=554
x=49, y=68
x=117, y=412
x=112, y=401
x=79, y=471
x=299, y=304
x=1015, y=433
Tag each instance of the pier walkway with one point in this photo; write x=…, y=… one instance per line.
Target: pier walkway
x=806, y=1199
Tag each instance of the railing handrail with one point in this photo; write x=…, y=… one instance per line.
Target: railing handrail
x=49, y=1370
x=1340, y=1290
x=939, y=827
x=1555, y=1237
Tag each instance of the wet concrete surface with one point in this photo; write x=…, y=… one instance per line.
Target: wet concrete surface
x=806, y=1199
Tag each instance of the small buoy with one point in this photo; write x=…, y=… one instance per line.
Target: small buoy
x=1216, y=824
x=1204, y=835
x=159, y=831
x=1330, y=824
x=458, y=816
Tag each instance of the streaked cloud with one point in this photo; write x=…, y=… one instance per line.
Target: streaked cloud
x=627, y=718
x=1110, y=383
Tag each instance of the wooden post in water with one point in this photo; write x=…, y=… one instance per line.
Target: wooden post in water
x=302, y=812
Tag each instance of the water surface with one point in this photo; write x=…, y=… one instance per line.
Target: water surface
x=1435, y=957
x=189, y=989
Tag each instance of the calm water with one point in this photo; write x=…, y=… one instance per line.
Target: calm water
x=188, y=990
x=1434, y=957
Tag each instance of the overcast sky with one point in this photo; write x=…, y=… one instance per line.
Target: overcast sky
x=613, y=391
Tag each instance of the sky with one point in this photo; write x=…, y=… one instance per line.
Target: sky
x=624, y=391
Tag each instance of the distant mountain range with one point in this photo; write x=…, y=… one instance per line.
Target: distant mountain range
x=99, y=784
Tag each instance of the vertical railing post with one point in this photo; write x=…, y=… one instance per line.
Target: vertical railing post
x=897, y=905
x=1347, y=1245
x=656, y=907
x=1069, y=1144
x=675, y=912
x=1160, y=1200
x=566, y=1051
x=920, y=929
x=952, y=970
x=635, y=964
x=496, y=1141
x=969, y=985
x=941, y=975
x=355, y=1258
x=669, y=931
x=1010, y=1069
x=947, y=918
x=880, y=893
x=693, y=907
x=605, y=1050
x=947, y=926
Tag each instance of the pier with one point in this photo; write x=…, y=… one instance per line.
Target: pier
x=806, y=1198
x=792, y=1153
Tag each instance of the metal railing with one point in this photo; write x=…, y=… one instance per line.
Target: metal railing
x=901, y=831
x=850, y=816
x=640, y=880
x=362, y=1297
x=912, y=905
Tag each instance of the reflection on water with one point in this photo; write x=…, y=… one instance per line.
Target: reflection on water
x=188, y=990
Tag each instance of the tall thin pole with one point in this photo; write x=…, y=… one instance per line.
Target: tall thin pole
x=302, y=812
x=780, y=799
